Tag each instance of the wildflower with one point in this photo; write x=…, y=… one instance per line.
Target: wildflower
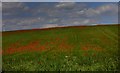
x=66, y=56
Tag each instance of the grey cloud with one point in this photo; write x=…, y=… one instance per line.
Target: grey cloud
x=27, y=23
x=23, y=21
x=14, y=8
x=70, y=12
x=62, y=9
x=109, y=9
x=8, y=5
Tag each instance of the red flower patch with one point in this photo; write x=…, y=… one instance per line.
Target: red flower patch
x=65, y=47
x=85, y=48
x=59, y=43
x=32, y=46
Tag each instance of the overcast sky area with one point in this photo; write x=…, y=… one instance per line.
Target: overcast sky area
x=31, y=15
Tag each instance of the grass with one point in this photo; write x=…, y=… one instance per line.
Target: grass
x=91, y=48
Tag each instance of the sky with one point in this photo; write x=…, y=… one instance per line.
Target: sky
x=32, y=15
x=60, y=0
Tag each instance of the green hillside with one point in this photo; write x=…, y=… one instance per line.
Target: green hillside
x=85, y=48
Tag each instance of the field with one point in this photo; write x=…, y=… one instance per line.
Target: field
x=82, y=48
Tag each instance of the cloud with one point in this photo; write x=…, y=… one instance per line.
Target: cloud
x=29, y=21
x=78, y=21
x=50, y=25
x=66, y=5
x=19, y=24
x=53, y=20
x=44, y=15
x=13, y=5
x=108, y=8
x=60, y=9
x=23, y=21
x=14, y=8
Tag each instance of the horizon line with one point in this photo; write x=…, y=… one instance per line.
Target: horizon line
x=59, y=27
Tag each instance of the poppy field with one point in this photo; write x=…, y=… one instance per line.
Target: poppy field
x=80, y=48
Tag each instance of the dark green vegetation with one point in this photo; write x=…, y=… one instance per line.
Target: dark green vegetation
x=92, y=48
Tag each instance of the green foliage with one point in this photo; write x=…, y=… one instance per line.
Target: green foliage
x=53, y=59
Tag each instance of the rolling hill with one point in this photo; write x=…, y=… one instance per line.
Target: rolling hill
x=75, y=48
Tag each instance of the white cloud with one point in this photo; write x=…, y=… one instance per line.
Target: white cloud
x=80, y=12
x=86, y=21
x=65, y=5
x=78, y=21
x=111, y=8
x=50, y=25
